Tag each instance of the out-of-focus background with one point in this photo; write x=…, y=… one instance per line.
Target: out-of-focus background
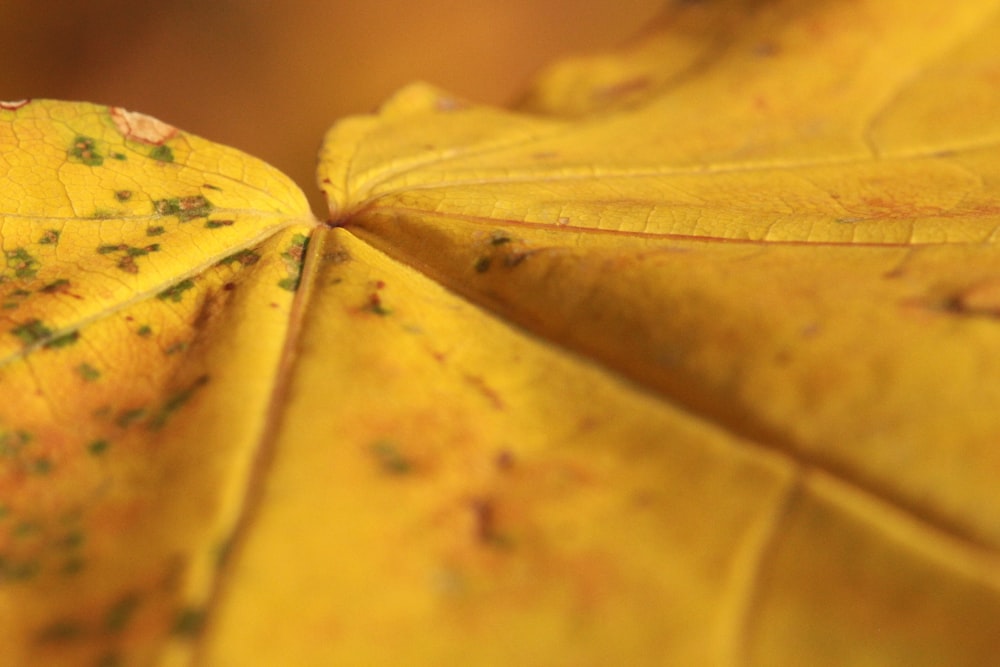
x=269, y=76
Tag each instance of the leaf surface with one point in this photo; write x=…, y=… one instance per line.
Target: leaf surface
x=694, y=364
x=145, y=309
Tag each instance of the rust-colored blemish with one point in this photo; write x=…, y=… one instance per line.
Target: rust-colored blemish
x=485, y=520
x=980, y=299
x=13, y=105
x=504, y=460
x=486, y=390
x=140, y=127
x=622, y=88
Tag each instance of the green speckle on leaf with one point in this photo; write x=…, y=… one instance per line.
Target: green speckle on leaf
x=499, y=238
x=155, y=230
x=179, y=346
x=189, y=622
x=292, y=258
x=63, y=341
x=390, y=459
x=121, y=613
x=97, y=447
x=71, y=517
x=145, y=331
x=31, y=332
x=127, y=261
x=18, y=571
x=483, y=264
x=244, y=257
x=88, y=372
x=12, y=442
x=176, y=292
x=22, y=263
x=61, y=631
x=41, y=466
x=49, y=237
x=175, y=402
x=133, y=251
x=222, y=551
x=162, y=154
x=129, y=417
x=215, y=224
x=102, y=214
x=84, y=150
x=71, y=540
x=26, y=529
x=169, y=206
x=185, y=208
x=72, y=565
x=20, y=293
x=110, y=660
x=119, y=156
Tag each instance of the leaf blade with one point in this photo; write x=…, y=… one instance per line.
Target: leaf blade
x=125, y=355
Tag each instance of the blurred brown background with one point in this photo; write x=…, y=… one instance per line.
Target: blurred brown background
x=270, y=76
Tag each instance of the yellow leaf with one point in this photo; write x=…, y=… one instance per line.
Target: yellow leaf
x=697, y=366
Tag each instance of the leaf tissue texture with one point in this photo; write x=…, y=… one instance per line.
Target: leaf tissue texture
x=693, y=358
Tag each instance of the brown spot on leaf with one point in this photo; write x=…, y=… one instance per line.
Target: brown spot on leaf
x=49, y=237
x=243, y=257
x=980, y=299
x=60, y=286
x=504, y=459
x=766, y=49
x=375, y=305
x=487, y=531
x=84, y=150
x=140, y=127
x=13, y=105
